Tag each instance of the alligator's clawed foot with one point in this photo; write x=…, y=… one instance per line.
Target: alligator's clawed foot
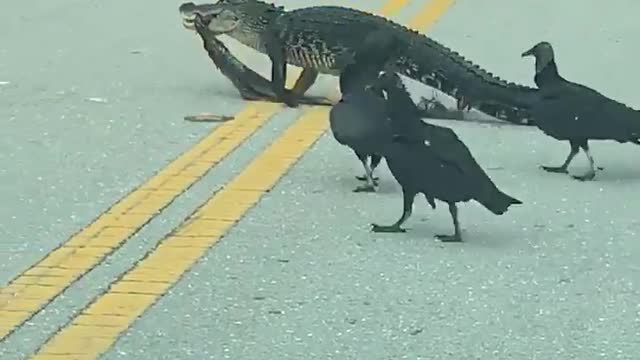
x=316, y=100
x=554, y=169
x=365, y=188
x=449, y=238
x=291, y=101
x=387, y=229
x=586, y=177
x=250, y=95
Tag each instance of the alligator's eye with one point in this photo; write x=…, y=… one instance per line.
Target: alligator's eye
x=213, y=15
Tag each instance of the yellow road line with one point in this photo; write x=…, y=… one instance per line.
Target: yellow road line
x=429, y=14
x=98, y=326
x=29, y=292
x=392, y=7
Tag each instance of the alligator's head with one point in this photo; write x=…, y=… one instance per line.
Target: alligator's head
x=542, y=52
x=189, y=10
x=243, y=20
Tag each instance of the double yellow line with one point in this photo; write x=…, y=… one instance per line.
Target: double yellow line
x=95, y=329
x=32, y=290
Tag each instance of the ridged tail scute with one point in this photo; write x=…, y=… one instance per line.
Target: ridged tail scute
x=438, y=66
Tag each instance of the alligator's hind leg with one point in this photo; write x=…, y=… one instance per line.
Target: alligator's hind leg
x=277, y=55
x=251, y=85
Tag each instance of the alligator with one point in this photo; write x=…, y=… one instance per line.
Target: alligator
x=576, y=113
x=312, y=38
x=253, y=86
x=360, y=119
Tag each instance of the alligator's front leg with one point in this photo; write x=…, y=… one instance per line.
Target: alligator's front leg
x=251, y=85
x=306, y=79
x=277, y=54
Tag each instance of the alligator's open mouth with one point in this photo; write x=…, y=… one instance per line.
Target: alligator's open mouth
x=189, y=23
x=188, y=12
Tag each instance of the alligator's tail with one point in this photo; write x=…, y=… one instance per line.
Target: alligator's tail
x=438, y=66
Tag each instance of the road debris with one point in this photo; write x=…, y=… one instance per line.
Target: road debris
x=98, y=100
x=208, y=117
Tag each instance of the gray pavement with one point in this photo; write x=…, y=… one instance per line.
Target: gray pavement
x=556, y=278
x=65, y=159
x=311, y=282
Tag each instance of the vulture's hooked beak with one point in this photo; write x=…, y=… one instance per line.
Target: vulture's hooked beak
x=529, y=52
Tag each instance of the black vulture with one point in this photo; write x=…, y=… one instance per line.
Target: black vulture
x=432, y=160
x=358, y=120
x=576, y=113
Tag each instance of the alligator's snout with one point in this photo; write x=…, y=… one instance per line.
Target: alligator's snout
x=189, y=10
x=188, y=7
x=188, y=23
x=188, y=13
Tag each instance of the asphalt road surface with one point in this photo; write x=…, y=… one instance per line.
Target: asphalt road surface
x=275, y=260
